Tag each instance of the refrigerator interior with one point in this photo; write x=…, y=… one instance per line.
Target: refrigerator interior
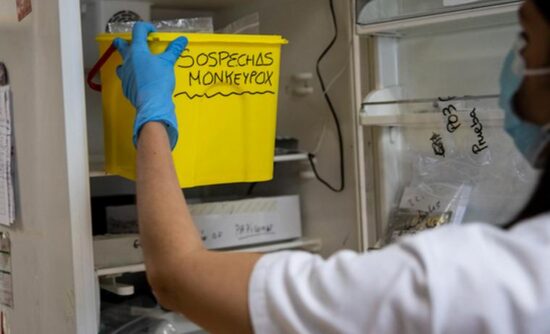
x=434, y=115
x=306, y=118
x=410, y=59
x=326, y=228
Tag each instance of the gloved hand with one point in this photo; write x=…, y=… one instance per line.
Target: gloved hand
x=148, y=80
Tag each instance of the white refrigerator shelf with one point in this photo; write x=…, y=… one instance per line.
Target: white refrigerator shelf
x=311, y=245
x=97, y=169
x=444, y=21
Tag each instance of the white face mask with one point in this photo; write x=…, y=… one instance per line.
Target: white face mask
x=530, y=139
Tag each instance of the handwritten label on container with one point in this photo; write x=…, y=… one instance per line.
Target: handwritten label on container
x=253, y=72
x=251, y=230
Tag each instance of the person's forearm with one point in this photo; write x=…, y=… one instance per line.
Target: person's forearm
x=210, y=288
x=163, y=215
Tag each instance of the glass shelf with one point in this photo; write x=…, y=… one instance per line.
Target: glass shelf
x=378, y=11
x=429, y=111
x=431, y=16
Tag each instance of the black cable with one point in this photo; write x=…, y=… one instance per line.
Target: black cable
x=311, y=156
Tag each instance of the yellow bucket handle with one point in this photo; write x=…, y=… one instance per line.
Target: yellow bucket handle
x=93, y=72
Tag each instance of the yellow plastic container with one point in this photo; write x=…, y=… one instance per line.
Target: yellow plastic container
x=226, y=106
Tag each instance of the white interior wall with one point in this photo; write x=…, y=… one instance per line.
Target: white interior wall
x=168, y=13
x=454, y=64
x=224, y=17
x=307, y=24
x=50, y=239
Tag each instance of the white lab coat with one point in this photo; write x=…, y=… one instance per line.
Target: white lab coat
x=458, y=279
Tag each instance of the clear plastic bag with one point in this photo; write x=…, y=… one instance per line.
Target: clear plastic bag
x=132, y=317
x=426, y=206
x=147, y=325
x=463, y=132
x=197, y=24
x=249, y=24
x=463, y=169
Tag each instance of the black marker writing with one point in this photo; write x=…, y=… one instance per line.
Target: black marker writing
x=478, y=129
x=250, y=230
x=224, y=58
x=413, y=201
x=208, y=78
x=453, y=123
x=437, y=145
x=249, y=73
x=447, y=99
x=209, y=96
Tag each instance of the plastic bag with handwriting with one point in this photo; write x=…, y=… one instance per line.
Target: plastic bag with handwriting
x=466, y=132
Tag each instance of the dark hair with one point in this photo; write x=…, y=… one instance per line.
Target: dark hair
x=539, y=203
x=544, y=7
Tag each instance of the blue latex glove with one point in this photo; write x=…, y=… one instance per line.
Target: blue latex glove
x=148, y=80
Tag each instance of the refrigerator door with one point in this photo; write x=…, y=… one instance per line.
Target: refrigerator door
x=440, y=154
x=376, y=11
